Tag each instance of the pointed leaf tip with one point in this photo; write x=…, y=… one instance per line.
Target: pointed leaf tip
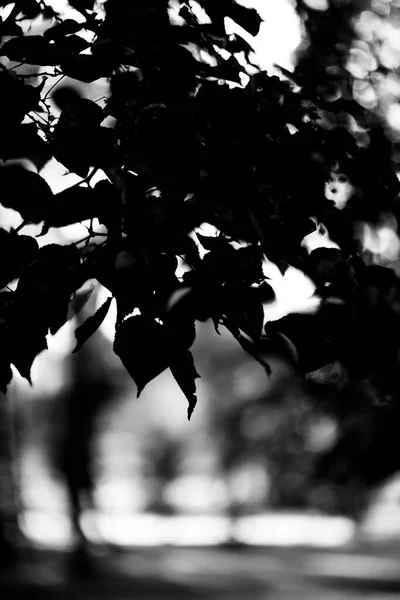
x=91, y=325
x=191, y=408
x=184, y=372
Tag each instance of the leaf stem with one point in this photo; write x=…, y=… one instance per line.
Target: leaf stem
x=52, y=87
x=21, y=226
x=16, y=66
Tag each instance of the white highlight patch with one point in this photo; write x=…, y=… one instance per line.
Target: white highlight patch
x=318, y=238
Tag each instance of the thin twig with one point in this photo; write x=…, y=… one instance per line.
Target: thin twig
x=85, y=180
x=52, y=87
x=40, y=117
x=31, y=75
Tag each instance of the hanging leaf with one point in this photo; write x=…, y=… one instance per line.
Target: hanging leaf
x=29, y=8
x=91, y=325
x=229, y=70
x=141, y=344
x=243, y=306
x=31, y=49
x=214, y=242
x=248, y=18
x=179, y=318
x=69, y=153
x=16, y=100
x=253, y=348
x=183, y=369
x=107, y=197
x=20, y=250
x=79, y=301
x=25, y=142
x=22, y=331
x=27, y=346
x=49, y=282
x=70, y=45
x=86, y=68
x=318, y=339
x=73, y=205
x=78, y=141
x=60, y=30
x=27, y=333
x=26, y=192
x=5, y=374
x=82, y=4
x=80, y=114
x=9, y=28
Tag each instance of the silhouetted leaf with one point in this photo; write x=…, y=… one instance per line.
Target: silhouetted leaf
x=71, y=44
x=60, y=30
x=10, y=28
x=141, y=344
x=86, y=68
x=33, y=50
x=5, y=374
x=29, y=8
x=72, y=205
x=254, y=349
x=248, y=18
x=179, y=321
x=183, y=369
x=91, y=325
x=82, y=4
x=26, y=351
x=213, y=242
x=107, y=197
x=319, y=338
x=55, y=266
x=80, y=114
x=20, y=250
x=49, y=282
x=25, y=142
x=229, y=70
x=78, y=141
x=16, y=100
x=79, y=301
x=28, y=330
x=25, y=192
x=244, y=307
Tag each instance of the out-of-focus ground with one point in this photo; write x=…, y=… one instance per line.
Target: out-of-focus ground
x=217, y=574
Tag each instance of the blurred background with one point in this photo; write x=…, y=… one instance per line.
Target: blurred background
x=228, y=504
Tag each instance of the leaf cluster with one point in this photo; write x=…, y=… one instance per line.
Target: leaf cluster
x=198, y=139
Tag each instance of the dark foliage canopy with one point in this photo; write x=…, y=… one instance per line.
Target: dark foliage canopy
x=191, y=133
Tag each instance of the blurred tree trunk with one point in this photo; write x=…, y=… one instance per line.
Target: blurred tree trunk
x=8, y=490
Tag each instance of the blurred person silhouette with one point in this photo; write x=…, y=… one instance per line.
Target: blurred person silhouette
x=162, y=462
x=92, y=386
